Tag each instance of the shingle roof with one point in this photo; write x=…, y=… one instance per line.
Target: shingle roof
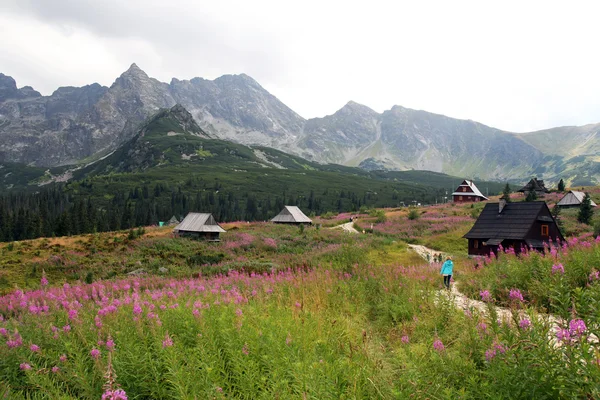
x=534, y=184
x=514, y=222
x=291, y=214
x=474, y=188
x=198, y=222
x=573, y=198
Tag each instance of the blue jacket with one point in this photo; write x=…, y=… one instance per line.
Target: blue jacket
x=447, y=268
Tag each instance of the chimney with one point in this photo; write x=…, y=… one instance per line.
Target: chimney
x=501, y=205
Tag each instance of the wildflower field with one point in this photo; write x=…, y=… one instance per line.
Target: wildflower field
x=276, y=312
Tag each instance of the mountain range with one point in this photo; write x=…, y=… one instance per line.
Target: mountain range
x=79, y=125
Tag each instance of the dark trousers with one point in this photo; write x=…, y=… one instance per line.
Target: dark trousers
x=447, y=281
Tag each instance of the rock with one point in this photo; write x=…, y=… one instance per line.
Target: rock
x=163, y=270
x=139, y=271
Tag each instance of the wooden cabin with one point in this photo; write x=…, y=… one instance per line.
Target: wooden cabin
x=291, y=215
x=517, y=225
x=467, y=192
x=536, y=185
x=200, y=226
x=573, y=199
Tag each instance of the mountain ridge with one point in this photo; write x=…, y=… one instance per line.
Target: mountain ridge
x=74, y=124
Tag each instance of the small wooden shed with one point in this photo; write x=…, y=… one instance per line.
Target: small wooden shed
x=573, y=199
x=291, y=215
x=467, y=192
x=534, y=185
x=199, y=225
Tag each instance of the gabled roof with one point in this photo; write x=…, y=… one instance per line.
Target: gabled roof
x=573, y=198
x=514, y=222
x=199, y=222
x=173, y=221
x=534, y=185
x=474, y=189
x=291, y=214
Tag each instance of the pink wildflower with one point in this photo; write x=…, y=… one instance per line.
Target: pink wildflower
x=595, y=275
x=95, y=353
x=558, y=269
x=3, y=332
x=118, y=394
x=245, y=349
x=405, y=339
x=24, y=366
x=63, y=358
x=524, y=324
x=67, y=328
x=110, y=344
x=44, y=280
x=137, y=309
x=167, y=342
x=485, y=295
x=577, y=327
x=438, y=345
x=72, y=314
x=515, y=294
x=34, y=348
x=563, y=335
x=55, y=369
x=490, y=354
x=239, y=312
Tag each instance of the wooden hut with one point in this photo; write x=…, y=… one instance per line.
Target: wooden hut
x=573, y=199
x=534, y=185
x=467, y=192
x=173, y=221
x=517, y=225
x=291, y=215
x=199, y=225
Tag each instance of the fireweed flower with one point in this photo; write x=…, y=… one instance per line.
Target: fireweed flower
x=524, y=324
x=595, y=275
x=24, y=366
x=167, y=342
x=577, y=327
x=63, y=358
x=44, y=280
x=515, y=294
x=438, y=345
x=405, y=339
x=563, y=335
x=110, y=344
x=118, y=394
x=558, y=269
x=485, y=295
x=55, y=369
x=95, y=353
x=490, y=354
x=34, y=348
x=72, y=314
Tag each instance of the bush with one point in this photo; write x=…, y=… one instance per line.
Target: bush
x=413, y=214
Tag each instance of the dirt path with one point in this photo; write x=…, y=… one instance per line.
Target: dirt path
x=425, y=252
x=347, y=227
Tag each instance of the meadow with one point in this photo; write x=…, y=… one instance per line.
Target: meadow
x=279, y=312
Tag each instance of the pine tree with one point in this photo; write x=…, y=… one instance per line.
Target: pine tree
x=531, y=196
x=585, y=210
x=556, y=215
x=506, y=193
x=561, y=186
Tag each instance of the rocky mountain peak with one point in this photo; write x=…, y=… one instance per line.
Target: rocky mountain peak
x=8, y=87
x=353, y=107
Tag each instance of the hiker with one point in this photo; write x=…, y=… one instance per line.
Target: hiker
x=446, y=271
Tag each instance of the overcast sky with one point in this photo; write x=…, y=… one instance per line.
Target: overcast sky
x=514, y=65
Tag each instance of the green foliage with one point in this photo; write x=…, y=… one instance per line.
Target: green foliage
x=531, y=196
x=413, y=214
x=506, y=193
x=561, y=185
x=379, y=215
x=586, y=212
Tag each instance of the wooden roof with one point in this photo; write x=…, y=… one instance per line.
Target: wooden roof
x=573, y=198
x=292, y=215
x=199, y=222
x=514, y=222
x=474, y=190
x=534, y=185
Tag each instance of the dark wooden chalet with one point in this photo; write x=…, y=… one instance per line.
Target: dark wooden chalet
x=522, y=224
x=199, y=225
x=467, y=192
x=536, y=185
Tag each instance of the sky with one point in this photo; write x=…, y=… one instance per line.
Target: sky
x=514, y=65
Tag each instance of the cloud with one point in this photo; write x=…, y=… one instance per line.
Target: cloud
x=513, y=65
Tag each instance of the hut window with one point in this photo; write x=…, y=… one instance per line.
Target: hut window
x=459, y=197
x=475, y=244
x=544, y=230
